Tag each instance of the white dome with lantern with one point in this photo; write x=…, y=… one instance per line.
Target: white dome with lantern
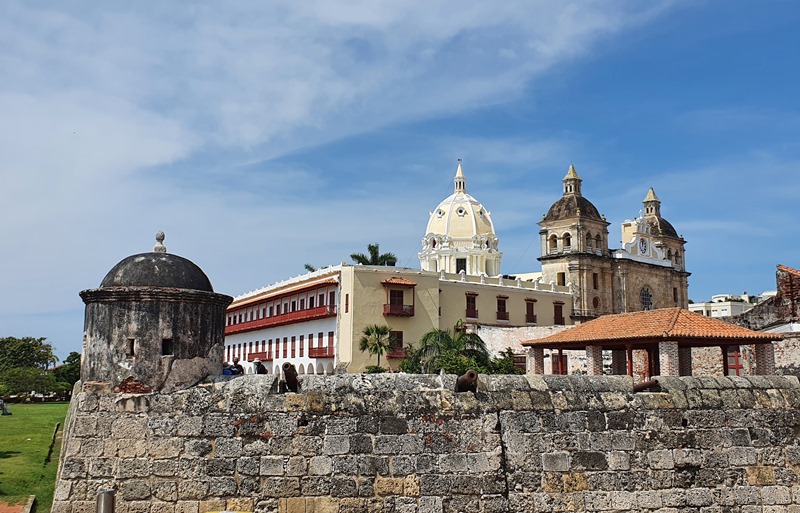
x=460, y=235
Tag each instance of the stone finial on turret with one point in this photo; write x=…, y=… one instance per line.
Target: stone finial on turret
x=160, y=247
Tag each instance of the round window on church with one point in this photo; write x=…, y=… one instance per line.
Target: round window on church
x=646, y=299
x=596, y=302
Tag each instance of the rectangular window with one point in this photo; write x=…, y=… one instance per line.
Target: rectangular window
x=502, y=313
x=330, y=339
x=396, y=297
x=472, y=308
x=559, y=364
x=461, y=265
x=302, y=344
x=396, y=341
x=130, y=350
x=332, y=299
x=734, y=360
x=558, y=313
x=596, y=281
x=311, y=301
x=675, y=294
x=286, y=347
x=521, y=362
x=561, y=279
x=321, y=299
x=530, y=311
x=310, y=340
x=346, y=303
x=294, y=343
x=250, y=348
x=302, y=303
x=294, y=306
x=286, y=307
x=320, y=339
x=270, y=310
x=166, y=347
x=269, y=349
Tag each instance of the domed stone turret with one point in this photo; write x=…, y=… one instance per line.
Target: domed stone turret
x=460, y=235
x=154, y=324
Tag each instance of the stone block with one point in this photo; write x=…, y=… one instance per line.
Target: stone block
x=272, y=466
x=193, y=489
x=239, y=504
x=556, y=462
x=336, y=444
x=661, y=460
x=760, y=476
x=162, y=507
x=165, y=490
x=227, y=448
x=189, y=426
x=619, y=460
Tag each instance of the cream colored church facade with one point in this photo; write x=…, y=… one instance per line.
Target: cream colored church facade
x=315, y=320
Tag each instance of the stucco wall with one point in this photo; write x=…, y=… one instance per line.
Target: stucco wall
x=407, y=443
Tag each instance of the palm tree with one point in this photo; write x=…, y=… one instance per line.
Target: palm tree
x=375, y=256
x=376, y=339
x=438, y=342
x=310, y=268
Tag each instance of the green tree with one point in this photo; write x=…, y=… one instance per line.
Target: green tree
x=70, y=371
x=310, y=268
x=504, y=364
x=22, y=380
x=25, y=352
x=436, y=343
x=375, y=256
x=376, y=339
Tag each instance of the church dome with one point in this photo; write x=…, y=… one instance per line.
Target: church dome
x=572, y=203
x=652, y=210
x=157, y=269
x=460, y=216
x=572, y=206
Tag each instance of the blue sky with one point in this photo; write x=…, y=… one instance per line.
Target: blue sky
x=264, y=135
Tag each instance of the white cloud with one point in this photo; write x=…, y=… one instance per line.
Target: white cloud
x=121, y=119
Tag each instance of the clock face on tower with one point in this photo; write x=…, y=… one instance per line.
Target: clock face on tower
x=642, y=246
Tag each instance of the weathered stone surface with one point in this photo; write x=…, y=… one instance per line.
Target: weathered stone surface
x=410, y=444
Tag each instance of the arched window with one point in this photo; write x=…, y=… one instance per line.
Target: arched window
x=567, y=240
x=669, y=255
x=553, y=243
x=589, y=241
x=646, y=298
x=598, y=242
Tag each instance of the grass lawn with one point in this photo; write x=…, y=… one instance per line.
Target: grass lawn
x=24, y=444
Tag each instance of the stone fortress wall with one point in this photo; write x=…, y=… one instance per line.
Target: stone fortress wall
x=410, y=443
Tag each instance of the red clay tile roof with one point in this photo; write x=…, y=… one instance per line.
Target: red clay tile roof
x=395, y=280
x=788, y=270
x=651, y=326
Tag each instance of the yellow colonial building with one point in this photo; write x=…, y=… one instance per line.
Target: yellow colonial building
x=315, y=320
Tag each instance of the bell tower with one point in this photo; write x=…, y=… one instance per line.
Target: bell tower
x=574, y=249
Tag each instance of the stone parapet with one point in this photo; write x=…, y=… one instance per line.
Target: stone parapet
x=408, y=443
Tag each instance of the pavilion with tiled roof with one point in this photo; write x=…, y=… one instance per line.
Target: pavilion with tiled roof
x=667, y=334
